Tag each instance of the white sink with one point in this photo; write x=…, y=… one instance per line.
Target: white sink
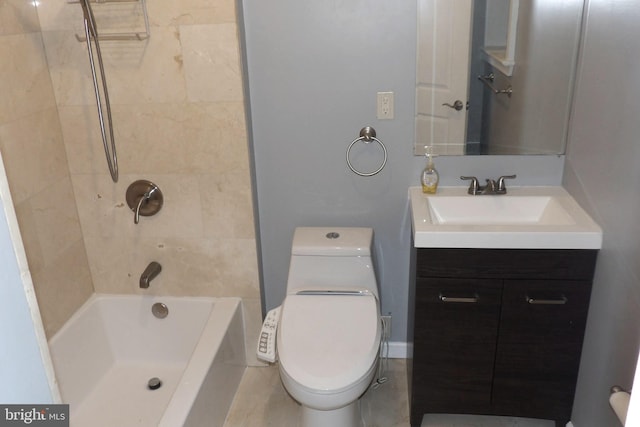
x=498, y=210
x=525, y=217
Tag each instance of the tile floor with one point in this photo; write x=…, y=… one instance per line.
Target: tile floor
x=261, y=401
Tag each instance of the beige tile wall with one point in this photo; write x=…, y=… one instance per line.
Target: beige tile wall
x=36, y=163
x=178, y=121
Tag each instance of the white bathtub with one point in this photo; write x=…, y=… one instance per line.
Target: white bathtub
x=106, y=353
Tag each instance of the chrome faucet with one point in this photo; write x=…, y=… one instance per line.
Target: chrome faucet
x=143, y=200
x=492, y=187
x=152, y=270
x=502, y=189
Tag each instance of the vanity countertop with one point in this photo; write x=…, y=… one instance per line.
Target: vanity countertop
x=524, y=218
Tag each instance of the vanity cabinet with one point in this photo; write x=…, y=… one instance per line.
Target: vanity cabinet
x=498, y=331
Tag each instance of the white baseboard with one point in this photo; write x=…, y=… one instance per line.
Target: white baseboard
x=398, y=350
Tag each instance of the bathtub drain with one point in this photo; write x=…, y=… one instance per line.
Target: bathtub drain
x=154, y=383
x=160, y=310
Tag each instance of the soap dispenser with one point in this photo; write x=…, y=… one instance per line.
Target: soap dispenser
x=430, y=177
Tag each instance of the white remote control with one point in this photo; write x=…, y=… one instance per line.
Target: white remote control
x=267, y=340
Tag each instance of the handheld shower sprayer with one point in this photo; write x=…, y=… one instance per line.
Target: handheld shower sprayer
x=91, y=33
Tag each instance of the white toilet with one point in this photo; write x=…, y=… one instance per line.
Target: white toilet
x=329, y=333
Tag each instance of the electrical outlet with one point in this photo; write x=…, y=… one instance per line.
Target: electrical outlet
x=387, y=329
x=385, y=105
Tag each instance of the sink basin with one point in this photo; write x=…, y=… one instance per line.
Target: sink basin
x=498, y=210
x=524, y=218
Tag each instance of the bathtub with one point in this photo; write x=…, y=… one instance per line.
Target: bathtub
x=105, y=355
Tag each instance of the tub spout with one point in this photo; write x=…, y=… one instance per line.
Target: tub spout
x=152, y=270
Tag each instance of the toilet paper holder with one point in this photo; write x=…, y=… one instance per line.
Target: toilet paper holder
x=617, y=389
x=619, y=402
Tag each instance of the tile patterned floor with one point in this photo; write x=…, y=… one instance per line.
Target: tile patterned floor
x=261, y=401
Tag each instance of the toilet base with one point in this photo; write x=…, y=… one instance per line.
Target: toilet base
x=348, y=416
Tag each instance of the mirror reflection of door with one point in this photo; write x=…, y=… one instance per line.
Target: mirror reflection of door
x=519, y=64
x=444, y=30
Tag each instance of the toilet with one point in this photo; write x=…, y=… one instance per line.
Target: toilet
x=329, y=332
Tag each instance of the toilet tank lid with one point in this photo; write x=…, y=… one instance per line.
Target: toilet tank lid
x=332, y=241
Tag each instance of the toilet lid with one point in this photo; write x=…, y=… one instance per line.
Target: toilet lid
x=328, y=342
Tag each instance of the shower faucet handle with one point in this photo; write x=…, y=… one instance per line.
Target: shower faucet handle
x=144, y=198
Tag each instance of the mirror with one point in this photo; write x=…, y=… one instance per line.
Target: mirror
x=495, y=76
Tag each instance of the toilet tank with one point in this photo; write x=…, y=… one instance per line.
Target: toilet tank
x=332, y=258
x=332, y=241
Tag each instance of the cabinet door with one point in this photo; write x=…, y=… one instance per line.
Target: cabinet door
x=538, y=355
x=456, y=324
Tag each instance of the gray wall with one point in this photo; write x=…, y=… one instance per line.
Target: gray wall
x=314, y=69
x=23, y=368
x=602, y=172
x=313, y=72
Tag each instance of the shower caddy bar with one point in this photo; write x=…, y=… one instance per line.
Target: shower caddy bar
x=138, y=36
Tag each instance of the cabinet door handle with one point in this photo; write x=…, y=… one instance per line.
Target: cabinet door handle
x=555, y=301
x=471, y=300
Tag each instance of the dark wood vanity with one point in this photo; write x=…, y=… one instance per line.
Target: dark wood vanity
x=497, y=331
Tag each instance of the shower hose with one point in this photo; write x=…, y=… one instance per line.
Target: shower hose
x=91, y=33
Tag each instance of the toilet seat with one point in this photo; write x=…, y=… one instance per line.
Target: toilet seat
x=327, y=343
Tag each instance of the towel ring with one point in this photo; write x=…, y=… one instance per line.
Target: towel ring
x=367, y=134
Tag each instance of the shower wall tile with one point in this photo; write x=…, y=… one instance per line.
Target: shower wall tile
x=60, y=15
x=214, y=138
x=212, y=62
x=137, y=72
x=18, y=17
x=83, y=144
x=146, y=72
x=160, y=138
x=50, y=230
x=103, y=209
x=56, y=15
x=164, y=13
x=29, y=234
x=23, y=60
x=55, y=216
x=72, y=85
x=33, y=150
x=232, y=191
x=62, y=287
x=55, y=251
x=190, y=267
x=35, y=153
x=182, y=138
x=179, y=121
x=212, y=267
x=194, y=263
